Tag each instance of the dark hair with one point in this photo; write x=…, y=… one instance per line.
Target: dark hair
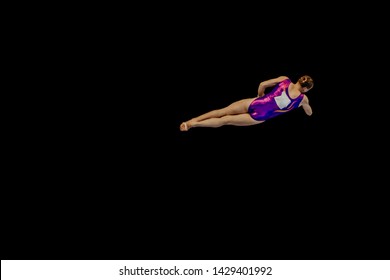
x=306, y=81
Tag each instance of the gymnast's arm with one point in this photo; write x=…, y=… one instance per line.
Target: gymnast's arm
x=269, y=83
x=306, y=107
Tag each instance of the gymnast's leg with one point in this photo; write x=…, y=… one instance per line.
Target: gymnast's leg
x=238, y=120
x=234, y=114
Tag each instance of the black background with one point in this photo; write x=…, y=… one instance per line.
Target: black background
x=100, y=169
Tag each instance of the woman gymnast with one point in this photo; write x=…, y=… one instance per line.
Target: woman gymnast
x=284, y=97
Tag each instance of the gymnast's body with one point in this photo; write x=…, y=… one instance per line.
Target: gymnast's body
x=283, y=97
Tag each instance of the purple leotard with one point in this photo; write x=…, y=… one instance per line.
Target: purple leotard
x=272, y=104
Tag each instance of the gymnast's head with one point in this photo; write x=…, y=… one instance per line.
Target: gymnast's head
x=306, y=83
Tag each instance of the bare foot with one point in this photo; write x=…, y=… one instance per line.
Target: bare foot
x=184, y=126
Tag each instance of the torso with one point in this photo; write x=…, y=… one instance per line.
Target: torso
x=283, y=98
